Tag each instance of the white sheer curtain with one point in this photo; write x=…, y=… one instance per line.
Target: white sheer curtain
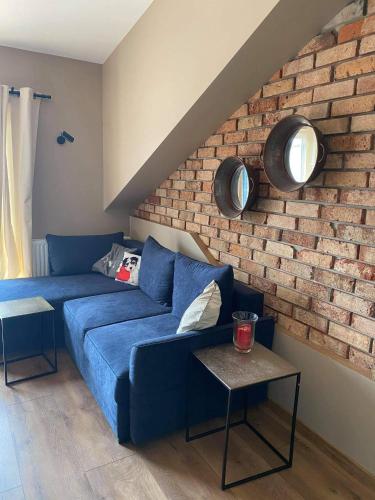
x=18, y=130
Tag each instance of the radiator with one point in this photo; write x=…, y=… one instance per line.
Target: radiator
x=40, y=258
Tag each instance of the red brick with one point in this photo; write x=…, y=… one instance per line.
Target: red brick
x=249, y=149
x=333, y=126
x=313, y=78
x=281, y=277
x=266, y=259
x=229, y=236
x=358, y=197
x=194, y=164
x=204, y=175
x=343, y=214
x=241, y=111
x=334, y=280
x=222, y=246
x=340, y=248
x=363, y=123
x=366, y=84
x=254, y=217
x=241, y=276
x=353, y=303
x=263, y=284
x=320, y=194
x=361, y=359
x=334, y=54
x=155, y=218
x=273, y=118
x=251, y=242
x=370, y=217
x=350, y=31
x=178, y=204
x=201, y=219
x=358, y=142
x=334, y=160
x=270, y=205
x=219, y=222
x=370, y=6
x=353, y=105
x=178, y=184
x=228, y=126
x=302, y=209
x=188, y=175
x=258, y=134
x=252, y=268
x=193, y=185
x=210, y=231
x=364, y=325
x=368, y=255
x=178, y=224
x=297, y=268
x=279, y=87
x=367, y=44
x=279, y=249
x=234, y=137
x=187, y=195
x=160, y=210
x=300, y=239
x=356, y=67
x=359, y=160
x=333, y=90
x=366, y=290
x=292, y=326
x=250, y=122
x=356, y=269
x=295, y=99
x=262, y=105
x=241, y=227
x=175, y=175
x=354, y=233
x=331, y=312
x=298, y=65
x=349, y=336
x=282, y=195
x=281, y=221
x=229, y=259
x=311, y=319
x=320, y=42
x=214, y=140
x=368, y=25
x=313, y=289
x=293, y=296
x=211, y=164
x=270, y=233
x=315, y=111
x=315, y=258
x=239, y=251
x=278, y=304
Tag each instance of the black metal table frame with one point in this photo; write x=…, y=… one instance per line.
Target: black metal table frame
x=52, y=364
x=287, y=462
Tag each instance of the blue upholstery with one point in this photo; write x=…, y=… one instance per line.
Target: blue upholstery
x=156, y=273
x=190, y=279
x=108, y=351
x=77, y=254
x=56, y=290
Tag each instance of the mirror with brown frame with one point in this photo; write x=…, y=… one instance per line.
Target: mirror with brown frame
x=294, y=153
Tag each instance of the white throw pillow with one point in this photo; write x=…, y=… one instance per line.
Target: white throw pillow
x=128, y=269
x=204, y=311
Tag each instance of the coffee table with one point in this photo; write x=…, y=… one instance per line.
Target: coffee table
x=10, y=311
x=238, y=372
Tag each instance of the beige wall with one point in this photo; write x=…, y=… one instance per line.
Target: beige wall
x=68, y=179
x=159, y=71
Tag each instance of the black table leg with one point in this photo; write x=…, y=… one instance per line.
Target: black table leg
x=227, y=427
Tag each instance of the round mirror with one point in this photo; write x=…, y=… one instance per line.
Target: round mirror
x=294, y=153
x=239, y=187
x=234, y=187
x=301, y=153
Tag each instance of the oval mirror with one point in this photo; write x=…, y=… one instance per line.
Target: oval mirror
x=234, y=187
x=294, y=153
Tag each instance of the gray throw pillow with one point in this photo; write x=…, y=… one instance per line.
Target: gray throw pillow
x=109, y=264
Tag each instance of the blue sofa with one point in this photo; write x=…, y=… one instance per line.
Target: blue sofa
x=123, y=338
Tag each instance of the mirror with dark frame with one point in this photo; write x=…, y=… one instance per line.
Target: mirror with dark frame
x=235, y=187
x=294, y=153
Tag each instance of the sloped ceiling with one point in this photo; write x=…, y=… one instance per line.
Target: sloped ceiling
x=182, y=70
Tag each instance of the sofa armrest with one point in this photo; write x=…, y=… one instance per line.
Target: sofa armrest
x=160, y=364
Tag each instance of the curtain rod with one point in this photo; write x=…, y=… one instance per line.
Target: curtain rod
x=13, y=91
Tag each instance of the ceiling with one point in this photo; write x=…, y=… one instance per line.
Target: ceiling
x=88, y=30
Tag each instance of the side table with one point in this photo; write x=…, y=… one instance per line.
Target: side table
x=9, y=312
x=238, y=372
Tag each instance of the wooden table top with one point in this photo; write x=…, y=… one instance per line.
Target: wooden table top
x=24, y=307
x=238, y=370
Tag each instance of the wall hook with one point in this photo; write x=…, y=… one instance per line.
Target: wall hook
x=63, y=137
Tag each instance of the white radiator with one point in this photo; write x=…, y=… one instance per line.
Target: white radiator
x=40, y=258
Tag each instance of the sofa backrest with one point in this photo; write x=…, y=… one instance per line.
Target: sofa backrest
x=246, y=299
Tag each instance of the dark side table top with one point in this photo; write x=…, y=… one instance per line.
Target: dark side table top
x=239, y=370
x=24, y=307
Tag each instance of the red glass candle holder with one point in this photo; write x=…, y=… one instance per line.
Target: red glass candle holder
x=244, y=330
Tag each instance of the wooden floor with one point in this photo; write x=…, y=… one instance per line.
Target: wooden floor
x=55, y=444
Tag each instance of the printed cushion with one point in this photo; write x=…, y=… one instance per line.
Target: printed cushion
x=111, y=261
x=128, y=270
x=204, y=311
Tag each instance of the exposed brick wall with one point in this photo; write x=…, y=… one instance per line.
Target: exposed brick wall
x=312, y=251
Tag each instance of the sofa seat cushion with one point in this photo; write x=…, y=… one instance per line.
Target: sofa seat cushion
x=85, y=314
x=108, y=351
